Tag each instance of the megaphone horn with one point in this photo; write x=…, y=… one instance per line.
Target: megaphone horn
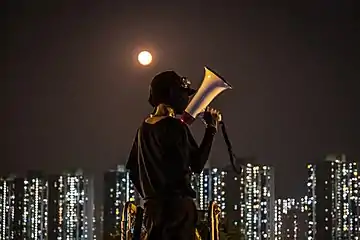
x=211, y=86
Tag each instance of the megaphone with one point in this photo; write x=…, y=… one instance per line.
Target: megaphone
x=211, y=86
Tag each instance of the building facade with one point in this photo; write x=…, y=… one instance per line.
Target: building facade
x=259, y=202
x=118, y=189
x=250, y=201
x=35, y=206
x=333, y=199
x=290, y=219
x=71, y=206
x=11, y=208
x=209, y=186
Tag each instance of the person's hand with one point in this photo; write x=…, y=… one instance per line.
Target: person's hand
x=211, y=117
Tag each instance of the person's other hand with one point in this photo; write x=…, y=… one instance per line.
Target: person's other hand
x=212, y=117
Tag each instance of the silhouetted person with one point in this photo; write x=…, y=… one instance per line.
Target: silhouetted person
x=163, y=157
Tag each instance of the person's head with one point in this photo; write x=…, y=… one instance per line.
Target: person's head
x=171, y=89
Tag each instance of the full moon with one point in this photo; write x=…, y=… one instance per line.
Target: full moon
x=144, y=58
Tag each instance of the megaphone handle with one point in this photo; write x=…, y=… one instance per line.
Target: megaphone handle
x=229, y=146
x=201, y=116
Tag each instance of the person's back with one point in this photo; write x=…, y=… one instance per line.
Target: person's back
x=164, y=146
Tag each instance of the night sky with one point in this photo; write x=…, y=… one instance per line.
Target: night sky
x=72, y=93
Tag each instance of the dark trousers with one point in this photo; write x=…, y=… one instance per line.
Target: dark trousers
x=170, y=219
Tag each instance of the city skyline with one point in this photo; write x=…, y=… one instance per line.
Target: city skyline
x=41, y=206
x=62, y=206
x=240, y=161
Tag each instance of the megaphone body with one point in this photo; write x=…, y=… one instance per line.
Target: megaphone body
x=211, y=86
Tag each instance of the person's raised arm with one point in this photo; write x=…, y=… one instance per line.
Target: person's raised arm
x=200, y=155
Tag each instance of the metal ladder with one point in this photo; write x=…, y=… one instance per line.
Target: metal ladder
x=132, y=223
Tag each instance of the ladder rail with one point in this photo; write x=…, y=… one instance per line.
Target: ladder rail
x=133, y=216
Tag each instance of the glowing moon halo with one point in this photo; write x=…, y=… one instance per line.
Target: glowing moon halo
x=145, y=58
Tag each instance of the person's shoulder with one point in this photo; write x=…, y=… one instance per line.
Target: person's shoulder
x=175, y=122
x=174, y=125
x=168, y=122
x=175, y=129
